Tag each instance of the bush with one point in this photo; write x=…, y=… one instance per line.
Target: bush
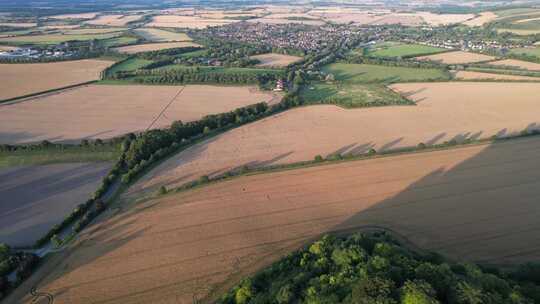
x=421, y=146
x=162, y=190
x=318, y=158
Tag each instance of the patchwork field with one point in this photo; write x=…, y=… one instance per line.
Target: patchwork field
x=87, y=31
x=18, y=24
x=444, y=111
x=534, y=52
x=481, y=19
x=56, y=38
x=519, y=64
x=403, y=50
x=76, y=16
x=55, y=191
x=472, y=75
x=275, y=60
x=23, y=79
x=362, y=73
x=157, y=35
x=114, y=20
x=457, y=57
x=186, y=21
x=464, y=203
x=105, y=111
x=139, y=48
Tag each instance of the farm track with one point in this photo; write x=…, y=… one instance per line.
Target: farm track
x=476, y=203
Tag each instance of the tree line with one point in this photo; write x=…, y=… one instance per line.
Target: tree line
x=22, y=263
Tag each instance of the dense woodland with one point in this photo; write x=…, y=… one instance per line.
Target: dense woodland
x=20, y=263
x=376, y=269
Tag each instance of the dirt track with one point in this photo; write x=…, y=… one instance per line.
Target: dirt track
x=105, y=111
x=445, y=111
x=34, y=198
x=478, y=203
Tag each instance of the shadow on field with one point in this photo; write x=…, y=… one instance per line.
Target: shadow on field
x=484, y=209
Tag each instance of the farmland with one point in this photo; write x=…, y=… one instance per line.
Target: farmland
x=464, y=203
x=23, y=79
x=403, y=50
x=517, y=64
x=444, y=111
x=362, y=73
x=533, y=52
x=56, y=190
x=130, y=64
x=457, y=57
x=56, y=38
x=275, y=60
x=192, y=22
x=139, y=48
x=157, y=35
x=114, y=20
x=115, y=110
x=473, y=75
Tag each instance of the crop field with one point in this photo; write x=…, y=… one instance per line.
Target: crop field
x=157, y=35
x=362, y=73
x=76, y=16
x=517, y=64
x=275, y=60
x=22, y=79
x=105, y=111
x=114, y=20
x=8, y=48
x=404, y=50
x=18, y=24
x=118, y=41
x=534, y=52
x=473, y=75
x=139, y=48
x=56, y=38
x=193, y=22
x=352, y=95
x=444, y=111
x=130, y=64
x=464, y=203
x=56, y=189
x=457, y=57
x=88, y=31
x=481, y=19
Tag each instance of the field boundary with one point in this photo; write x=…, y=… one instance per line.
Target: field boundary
x=24, y=97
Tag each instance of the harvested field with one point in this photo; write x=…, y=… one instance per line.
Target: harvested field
x=481, y=19
x=157, y=35
x=23, y=79
x=471, y=75
x=18, y=24
x=76, y=16
x=457, y=57
x=478, y=203
x=114, y=20
x=105, y=111
x=275, y=60
x=186, y=21
x=139, y=48
x=55, y=191
x=445, y=111
x=8, y=48
x=519, y=64
x=269, y=20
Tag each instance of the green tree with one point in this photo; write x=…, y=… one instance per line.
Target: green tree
x=417, y=292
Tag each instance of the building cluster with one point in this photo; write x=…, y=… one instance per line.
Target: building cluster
x=30, y=53
x=283, y=36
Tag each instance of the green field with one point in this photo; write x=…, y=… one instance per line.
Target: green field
x=403, y=50
x=534, y=52
x=352, y=95
x=219, y=70
x=130, y=64
x=55, y=38
x=54, y=155
x=119, y=41
x=367, y=73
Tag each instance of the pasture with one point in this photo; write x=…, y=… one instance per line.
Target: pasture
x=139, y=48
x=275, y=60
x=129, y=64
x=23, y=79
x=56, y=190
x=464, y=203
x=444, y=111
x=532, y=52
x=157, y=35
x=403, y=50
x=457, y=57
x=365, y=73
x=105, y=111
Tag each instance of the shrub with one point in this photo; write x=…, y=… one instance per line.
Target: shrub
x=318, y=158
x=421, y=146
x=162, y=190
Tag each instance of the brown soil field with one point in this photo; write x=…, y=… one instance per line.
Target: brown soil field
x=481, y=19
x=518, y=64
x=408, y=20
x=105, y=111
x=23, y=79
x=8, y=48
x=76, y=16
x=445, y=111
x=133, y=49
x=38, y=197
x=457, y=57
x=471, y=75
x=157, y=35
x=186, y=22
x=114, y=20
x=478, y=203
x=275, y=60
x=442, y=19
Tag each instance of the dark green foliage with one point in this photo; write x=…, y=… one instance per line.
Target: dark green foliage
x=20, y=262
x=372, y=269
